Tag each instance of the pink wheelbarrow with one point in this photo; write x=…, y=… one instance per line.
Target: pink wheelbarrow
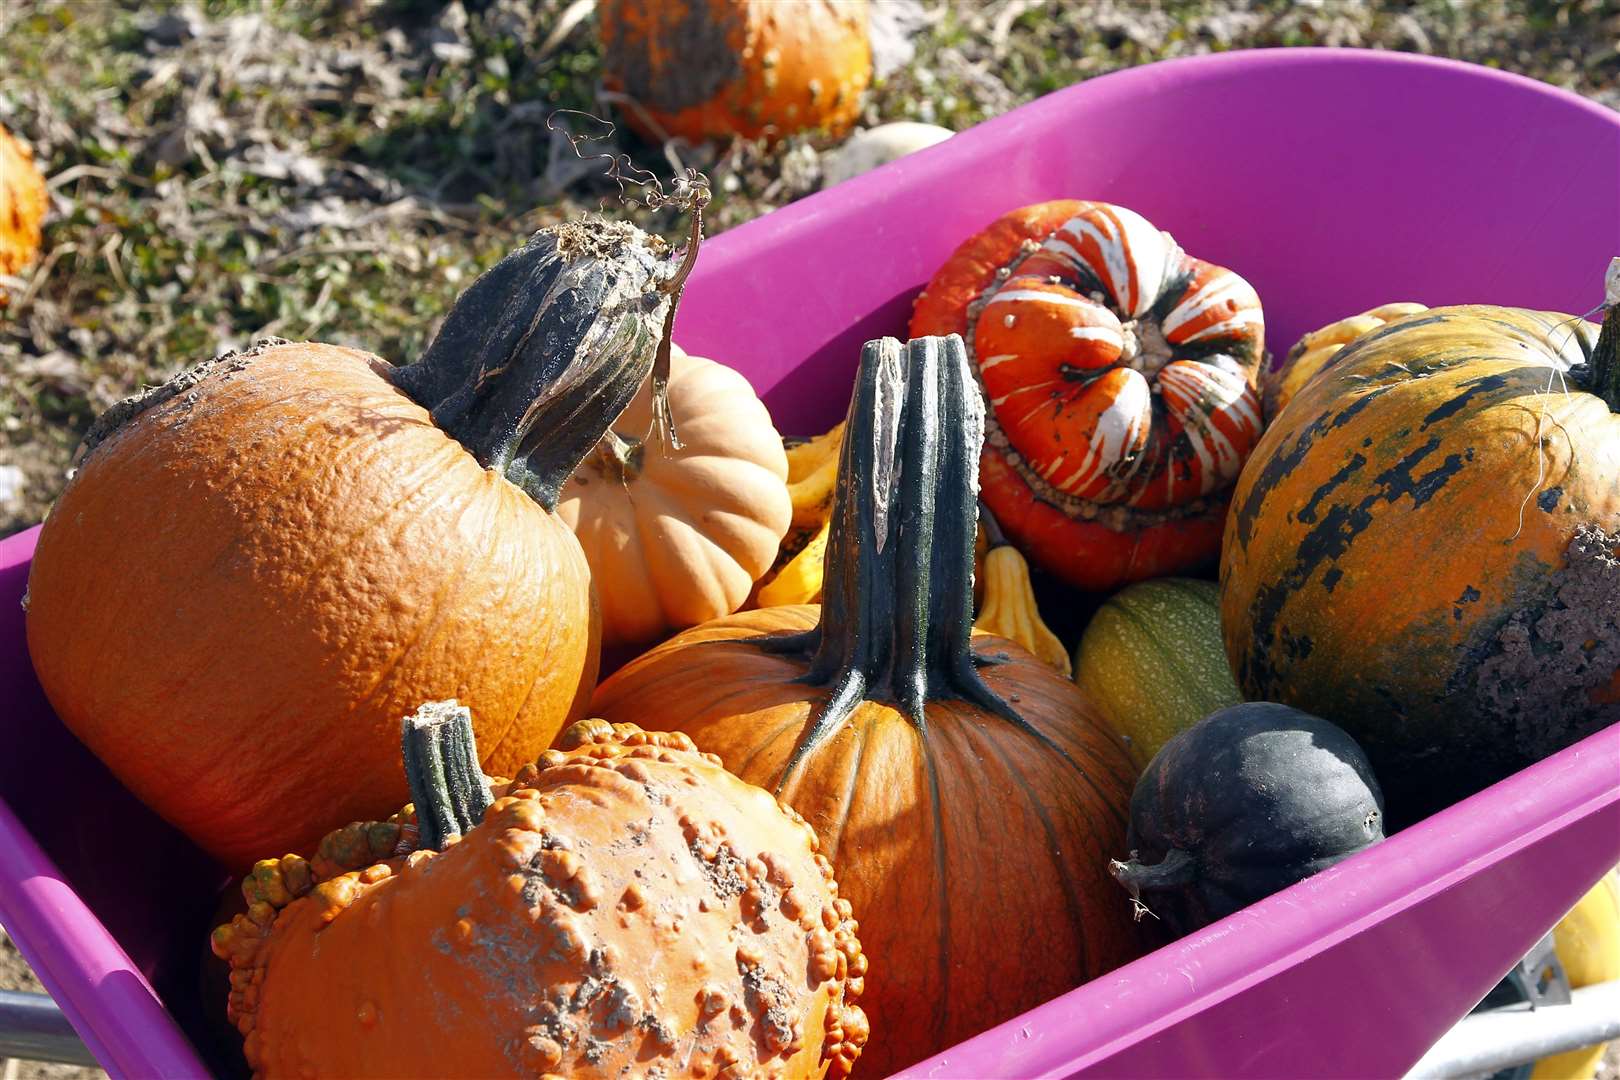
x=1334, y=181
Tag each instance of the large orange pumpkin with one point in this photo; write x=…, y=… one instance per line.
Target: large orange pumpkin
x=1425, y=547
x=701, y=69
x=23, y=200
x=261, y=565
x=1120, y=374
x=677, y=535
x=967, y=794
x=625, y=908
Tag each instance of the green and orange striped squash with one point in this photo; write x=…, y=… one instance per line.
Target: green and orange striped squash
x=1152, y=659
x=1120, y=373
x=1423, y=548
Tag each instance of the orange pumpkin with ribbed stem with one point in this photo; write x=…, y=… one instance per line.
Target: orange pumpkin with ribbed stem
x=23, y=200
x=1120, y=375
x=261, y=565
x=1425, y=547
x=966, y=793
x=701, y=69
x=624, y=908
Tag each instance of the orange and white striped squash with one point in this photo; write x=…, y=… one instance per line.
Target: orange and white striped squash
x=1120, y=372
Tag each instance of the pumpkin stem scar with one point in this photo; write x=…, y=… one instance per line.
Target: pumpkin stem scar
x=543, y=352
x=1175, y=870
x=897, y=608
x=449, y=790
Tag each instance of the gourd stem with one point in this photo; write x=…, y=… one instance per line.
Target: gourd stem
x=992, y=527
x=897, y=606
x=1605, y=362
x=448, y=788
x=1176, y=869
x=542, y=353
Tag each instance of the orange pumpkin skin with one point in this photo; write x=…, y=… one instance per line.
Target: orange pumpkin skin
x=676, y=537
x=1120, y=373
x=970, y=827
x=701, y=69
x=325, y=577
x=979, y=914
x=23, y=200
x=625, y=906
x=1422, y=548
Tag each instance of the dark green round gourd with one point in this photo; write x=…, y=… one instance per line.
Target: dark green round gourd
x=1247, y=801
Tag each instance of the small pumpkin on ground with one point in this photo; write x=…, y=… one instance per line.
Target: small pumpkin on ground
x=1316, y=352
x=23, y=201
x=623, y=906
x=261, y=565
x=702, y=69
x=1247, y=801
x=1153, y=660
x=1426, y=548
x=677, y=535
x=966, y=793
x=1120, y=375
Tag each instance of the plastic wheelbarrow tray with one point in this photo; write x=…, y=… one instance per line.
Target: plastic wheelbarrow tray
x=1334, y=181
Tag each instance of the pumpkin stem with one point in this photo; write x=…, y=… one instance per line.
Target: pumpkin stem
x=1174, y=871
x=663, y=422
x=448, y=788
x=545, y=350
x=1605, y=360
x=897, y=607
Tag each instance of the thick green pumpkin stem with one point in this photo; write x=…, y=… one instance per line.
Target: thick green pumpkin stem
x=448, y=788
x=542, y=353
x=1605, y=362
x=897, y=606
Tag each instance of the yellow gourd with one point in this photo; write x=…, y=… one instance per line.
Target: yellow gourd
x=1587, y=942
x=1008, y=606
x=1315, y=351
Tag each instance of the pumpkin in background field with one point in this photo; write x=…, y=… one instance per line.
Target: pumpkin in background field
x=624, y=908
x=677, y=536
x=1316, y=351
x=1425, y=548
x=259, y=567
x=1153, y=660
x=1120, y=375
x=23, y=201
x=700, y=69
x=968, y=810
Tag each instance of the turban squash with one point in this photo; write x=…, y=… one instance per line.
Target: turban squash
x=23, y=201
x=966, y=793
x=677, y=535
x=1425, y=547
x=1120, y=374
x=261, y=565
x=625, y=907
x=701, y=69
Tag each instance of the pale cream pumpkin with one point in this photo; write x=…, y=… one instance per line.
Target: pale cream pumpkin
x=676, y=537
